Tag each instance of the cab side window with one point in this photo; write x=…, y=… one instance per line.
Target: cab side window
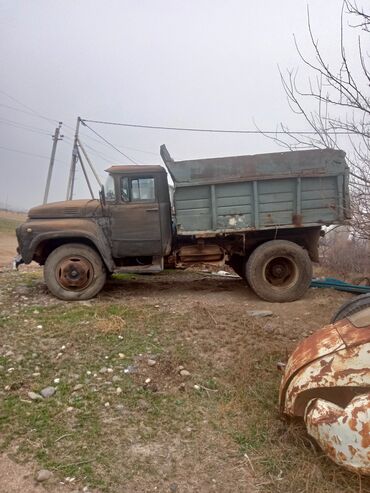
x=137, y=189
x=110, y=193
x=142, y=189
x=125, y=194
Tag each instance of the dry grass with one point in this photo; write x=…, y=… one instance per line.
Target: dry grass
x=112, y=324
x=217, y=430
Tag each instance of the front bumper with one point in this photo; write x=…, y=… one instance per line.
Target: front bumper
x=17, y=261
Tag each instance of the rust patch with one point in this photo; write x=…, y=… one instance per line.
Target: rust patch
x=365, y=434
x=351, y=335
x=297, y=220
x=352, y=450
x=341, y=456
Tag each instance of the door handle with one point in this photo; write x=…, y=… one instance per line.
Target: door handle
x=153, y=209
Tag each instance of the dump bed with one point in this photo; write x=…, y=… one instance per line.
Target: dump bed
x=241, y=193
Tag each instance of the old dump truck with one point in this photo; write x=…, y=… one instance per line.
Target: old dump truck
x=261, y=214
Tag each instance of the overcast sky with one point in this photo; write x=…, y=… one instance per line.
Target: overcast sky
x=192, y=63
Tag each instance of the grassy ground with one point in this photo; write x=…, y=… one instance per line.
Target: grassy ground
x=8, y=225
x=118, y=422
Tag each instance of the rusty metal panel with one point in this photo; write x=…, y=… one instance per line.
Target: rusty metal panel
x=240, y=193
x=325, y=162
x=199, y=253
x=344, y=368
x=327, y=381
x=334, y=356
x=233, y=205
x=343, y=433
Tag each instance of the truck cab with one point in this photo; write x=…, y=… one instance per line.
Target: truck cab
x=79, y=242
x=138, y=204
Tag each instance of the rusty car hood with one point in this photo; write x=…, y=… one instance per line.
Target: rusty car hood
x=327, y=340
x=335, y=341
x=67, y=208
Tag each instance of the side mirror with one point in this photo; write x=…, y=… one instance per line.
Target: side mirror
x=102, y=195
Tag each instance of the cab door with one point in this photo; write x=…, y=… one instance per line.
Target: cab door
x=135, y=217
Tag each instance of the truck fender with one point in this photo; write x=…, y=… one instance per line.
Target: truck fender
x=78, y=229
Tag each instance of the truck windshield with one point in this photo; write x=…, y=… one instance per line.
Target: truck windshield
x=110, y=194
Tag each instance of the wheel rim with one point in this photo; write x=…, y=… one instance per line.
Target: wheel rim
x=74, y=273
x=281, y=272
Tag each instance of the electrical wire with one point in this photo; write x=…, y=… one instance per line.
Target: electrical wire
x=33, y=111
x=16, y=109
x=98, y=153
x=92, y=149
x=11, y=149
x=42, y=131
x=107, y=141
x=124, y=147
x=211, y=130
x=22, y=126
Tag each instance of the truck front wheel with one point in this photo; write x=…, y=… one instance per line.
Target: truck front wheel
x=74, y=272
x=279, y=271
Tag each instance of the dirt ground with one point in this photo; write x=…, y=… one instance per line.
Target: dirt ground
x=8, y=242
x=18, y=478
x=8, y=245
x=121, y=423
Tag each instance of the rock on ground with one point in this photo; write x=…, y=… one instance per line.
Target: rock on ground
x=43, y=475
x=34, y=396
x=259, y=313
x=48, y=392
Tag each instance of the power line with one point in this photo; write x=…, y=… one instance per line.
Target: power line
x=25, y=124
x=10, y=149
x=27, y=107
x=16, y=109
x=32, y=112
x=213, y=130
x=124, y=147
x=99, y=154
x=22, y=126
x=109, y=143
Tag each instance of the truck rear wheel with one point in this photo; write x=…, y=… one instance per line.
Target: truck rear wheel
x=74, y=272
x=279, y=271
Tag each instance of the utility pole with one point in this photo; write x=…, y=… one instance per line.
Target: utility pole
x=89, y=162
x=52, y=159
x=72, y=171
x=85, y=173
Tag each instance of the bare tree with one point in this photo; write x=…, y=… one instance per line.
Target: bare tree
x=341, y=101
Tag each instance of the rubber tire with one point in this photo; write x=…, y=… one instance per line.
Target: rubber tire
x=351, y=307
x=74, y=249
x=266, y=252
x=237, y=263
